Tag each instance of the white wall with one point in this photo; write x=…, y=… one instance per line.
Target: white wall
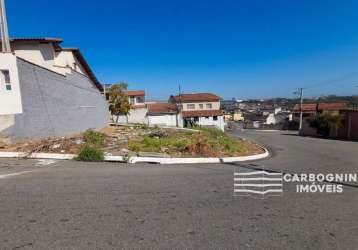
x=42, y=54
x=215, y=106
x=10, y=100
x=165, y=120
x=203, y=121
x=65, y=61
x=137, y=115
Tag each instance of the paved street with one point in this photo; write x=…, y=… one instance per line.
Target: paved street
x=74, y=205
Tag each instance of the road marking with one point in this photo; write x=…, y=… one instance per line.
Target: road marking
x=4, y=176
x=45, y=162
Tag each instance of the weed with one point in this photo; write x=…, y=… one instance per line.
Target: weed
x=90, y=153
x=94, y=137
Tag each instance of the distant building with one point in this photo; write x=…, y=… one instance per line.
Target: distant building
x=201, y=109
x=48, y=90
x=135, y=97
x=234, y=116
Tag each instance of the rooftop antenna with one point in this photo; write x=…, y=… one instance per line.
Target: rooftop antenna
x=5, y=41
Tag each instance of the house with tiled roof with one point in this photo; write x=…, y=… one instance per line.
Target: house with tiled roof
x=48, y=90
x=164, y=114
x=310, y=110
x=201, y=109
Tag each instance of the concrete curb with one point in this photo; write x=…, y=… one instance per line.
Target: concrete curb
x=136, y=159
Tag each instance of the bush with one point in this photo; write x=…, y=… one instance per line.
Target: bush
x=134, y=146
x=90, y=153
x=94, y=137
x=325, y=122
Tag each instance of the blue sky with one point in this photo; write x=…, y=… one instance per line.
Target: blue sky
x=243, y=49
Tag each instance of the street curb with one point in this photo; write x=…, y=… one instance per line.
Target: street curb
x=135, y=159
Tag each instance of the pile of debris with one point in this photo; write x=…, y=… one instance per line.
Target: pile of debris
x=116, y=141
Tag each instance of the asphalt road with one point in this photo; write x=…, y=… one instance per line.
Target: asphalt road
x=73, y=205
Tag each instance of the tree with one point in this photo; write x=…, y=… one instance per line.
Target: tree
x=119, y=103
x=326, y=122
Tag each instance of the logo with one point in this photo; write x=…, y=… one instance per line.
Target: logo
x=260, y=182
x=257, y=183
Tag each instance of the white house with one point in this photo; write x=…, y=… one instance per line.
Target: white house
x=138, y=111
x=164, y=114
x=151, y=113
x=202, y=109
x=47, y=90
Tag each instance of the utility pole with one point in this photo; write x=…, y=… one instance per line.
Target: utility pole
x=180, y=96
x=300, y=93
x=301, y=106
x=5, y=41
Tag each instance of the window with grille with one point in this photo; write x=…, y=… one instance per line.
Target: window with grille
x=6, y=78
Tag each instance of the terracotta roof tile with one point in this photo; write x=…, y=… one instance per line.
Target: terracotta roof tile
x=332, y=106
x=161, y=108
x=135, y=93
x=312, y=107
x=197, y=97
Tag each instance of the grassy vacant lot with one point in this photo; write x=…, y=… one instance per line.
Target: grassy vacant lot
x=208, y=142
x=139, y=139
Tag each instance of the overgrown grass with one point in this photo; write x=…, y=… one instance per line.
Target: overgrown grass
x=90, y=153
x=207, y=142
x=94, y=137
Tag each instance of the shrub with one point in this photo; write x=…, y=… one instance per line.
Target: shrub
x=325, y=122
x=94, y=137
x=144, y=126
x=134, y=146
x=181, y=145
x=90, y=153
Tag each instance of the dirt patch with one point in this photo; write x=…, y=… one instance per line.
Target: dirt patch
x=139, y=140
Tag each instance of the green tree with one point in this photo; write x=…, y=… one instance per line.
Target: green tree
x=325, y=123
x=119, y=103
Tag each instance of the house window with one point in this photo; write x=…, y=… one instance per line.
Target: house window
x=140, y=99
x=209, y=106
x=132, y=100
x=6, y=76
x=215, y=118
x=201, y=106
x=196, y=119
x=190, y=106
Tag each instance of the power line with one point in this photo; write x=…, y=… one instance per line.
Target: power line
x=334, y=80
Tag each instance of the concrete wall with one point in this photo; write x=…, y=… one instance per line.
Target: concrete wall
x=54, y=105
x=165, y=120
x=136, y=115
x=10, y=100
x=210, y=122
x=220, y=124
